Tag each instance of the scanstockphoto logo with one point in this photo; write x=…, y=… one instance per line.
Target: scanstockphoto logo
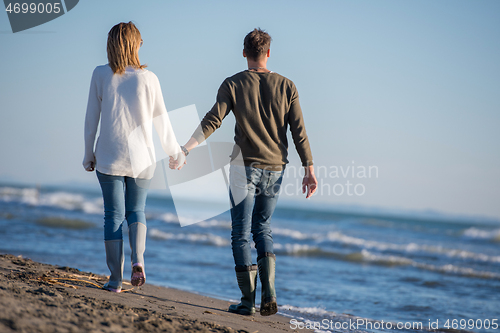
x=205, y=177
x=25, y=15
x=201, y=190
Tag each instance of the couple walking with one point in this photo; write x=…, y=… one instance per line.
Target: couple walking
x=125, y=97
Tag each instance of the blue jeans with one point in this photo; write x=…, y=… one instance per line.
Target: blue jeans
x=124, y=198
x=254, y=193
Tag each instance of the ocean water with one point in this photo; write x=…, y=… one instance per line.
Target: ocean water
x=333, y=269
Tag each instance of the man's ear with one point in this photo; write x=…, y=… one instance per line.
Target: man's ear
x=244, y=54
x=268, y=54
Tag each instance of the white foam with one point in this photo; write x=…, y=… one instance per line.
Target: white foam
x=320, y=312
x=313, y=318
x=385, y=259
x=60, y=199
x=475, y=233
x=338, y=237
x=95, y=206
x=409, y=248
x=458, y=270
x=449, y=268
x=168, y=218
x=363, y=256
x=380, y=259
x=294, y=234
x=294, y=249
x=190, y=237
x=21, y=195
x=215, y=224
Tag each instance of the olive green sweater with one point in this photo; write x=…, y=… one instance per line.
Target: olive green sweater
x=264, y=105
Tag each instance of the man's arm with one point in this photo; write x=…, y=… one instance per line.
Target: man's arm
x=298, y=130
x=301, y=141
x=212, y=121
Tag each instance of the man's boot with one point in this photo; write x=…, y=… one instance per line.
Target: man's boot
x=247, y=281
x=267, y=267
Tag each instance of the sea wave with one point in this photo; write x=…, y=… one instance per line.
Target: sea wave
x=94, y=205
x=457, y=270
x=168, y=218
x=59, y=199
x=365, y=256
x=207, y=239
x=295, y=234
x=310, y=317
x=316, y=311
x=14, y=194
x=172, y=218
x=322, y=321
x=475, y=233
x=62, y=222
x=337, y=237
x=223, y=224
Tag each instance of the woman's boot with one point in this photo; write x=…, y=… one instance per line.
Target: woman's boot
x=137, y=237
x=267, y=267
x=114, y=259
x=247, y=281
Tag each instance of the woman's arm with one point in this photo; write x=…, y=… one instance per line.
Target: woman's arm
x=91, y=122
x=163, y=126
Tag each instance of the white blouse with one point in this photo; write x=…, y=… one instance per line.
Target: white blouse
x=127, y=106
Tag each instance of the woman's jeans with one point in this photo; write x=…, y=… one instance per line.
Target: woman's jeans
x=124, y=198
x=254, y=193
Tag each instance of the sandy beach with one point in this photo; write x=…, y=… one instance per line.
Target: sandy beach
x=37, y=297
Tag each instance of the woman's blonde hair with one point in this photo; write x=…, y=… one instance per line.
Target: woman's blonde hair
x=124, y=40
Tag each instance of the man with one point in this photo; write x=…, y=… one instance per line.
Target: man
x=264, y=104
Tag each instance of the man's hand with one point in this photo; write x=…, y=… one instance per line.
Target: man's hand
x=309, y=183
x=177, y=161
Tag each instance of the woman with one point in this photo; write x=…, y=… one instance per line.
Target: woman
x=127, y=100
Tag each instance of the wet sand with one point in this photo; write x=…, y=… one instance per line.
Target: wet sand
x=37, y=297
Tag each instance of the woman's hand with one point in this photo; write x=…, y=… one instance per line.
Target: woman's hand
x=177, y=161
x=91, y=167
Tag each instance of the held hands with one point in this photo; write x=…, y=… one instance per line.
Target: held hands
x=309, y=183
x=177, y=161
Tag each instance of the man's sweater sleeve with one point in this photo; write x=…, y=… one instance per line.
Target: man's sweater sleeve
x=213, y=119
x=298, y=129
x=92, y=120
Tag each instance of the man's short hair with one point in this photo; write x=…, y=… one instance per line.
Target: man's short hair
x=256, y=44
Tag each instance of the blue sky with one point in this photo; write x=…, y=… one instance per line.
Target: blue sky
x=411, y=87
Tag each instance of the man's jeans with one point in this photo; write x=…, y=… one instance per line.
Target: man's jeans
x=124, y=198
x=254, y=193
